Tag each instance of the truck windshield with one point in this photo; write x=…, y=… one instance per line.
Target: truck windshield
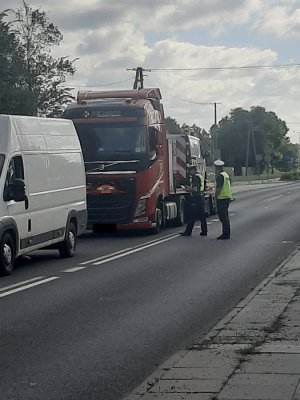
x=113, y=138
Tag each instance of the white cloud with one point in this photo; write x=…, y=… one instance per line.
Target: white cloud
x=109, y=36
x=281, y=21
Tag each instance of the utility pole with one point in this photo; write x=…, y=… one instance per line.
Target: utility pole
x=247, y=152
x=215, y=113
x=214, y=139
x=216, y=151
x=254, y=151
x=139, y=77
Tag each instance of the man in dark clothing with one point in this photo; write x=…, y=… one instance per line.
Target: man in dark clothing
x=196, y=204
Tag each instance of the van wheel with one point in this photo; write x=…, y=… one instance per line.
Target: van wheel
x=68, y=246
x=7, y=254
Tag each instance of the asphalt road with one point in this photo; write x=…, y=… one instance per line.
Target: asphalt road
x=95, y=326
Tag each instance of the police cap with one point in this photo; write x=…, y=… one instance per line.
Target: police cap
x=219, y=163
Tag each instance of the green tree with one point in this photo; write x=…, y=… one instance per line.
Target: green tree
x=231, y=138
x=43, y=73
x=172, y=125
x=13, y=93
x=245, y=135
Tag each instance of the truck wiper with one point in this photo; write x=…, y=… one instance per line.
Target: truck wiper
x=102, y=165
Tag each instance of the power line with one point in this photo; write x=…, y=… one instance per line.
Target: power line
x=245, y=67
x=97, y=85
x=107, y=84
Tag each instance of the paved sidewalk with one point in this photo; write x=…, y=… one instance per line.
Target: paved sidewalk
x=252, y=354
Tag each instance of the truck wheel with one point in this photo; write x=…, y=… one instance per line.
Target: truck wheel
x=207, y=206
x=68, y=246
x=180, y=218
x=7, y=254
x=212, y=206
x=159, y=219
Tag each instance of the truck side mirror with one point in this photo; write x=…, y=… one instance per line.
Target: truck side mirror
x=19, y=190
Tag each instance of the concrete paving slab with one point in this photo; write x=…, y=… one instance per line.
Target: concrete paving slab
x=177, y=396
x=199, y=373
x=188, y=386
x=242, y=335
x=229, y=346
x=272, y=363
x=208, y=359
x=297, y=392
x=286, y=347
x=259, y=387
x=286, y=333
x=293, y=274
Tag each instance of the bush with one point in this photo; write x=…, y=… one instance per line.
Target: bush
x=290, y=176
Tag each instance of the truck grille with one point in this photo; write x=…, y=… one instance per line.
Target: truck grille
x=111, y=208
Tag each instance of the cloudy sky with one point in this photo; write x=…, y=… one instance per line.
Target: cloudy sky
x=182, y=42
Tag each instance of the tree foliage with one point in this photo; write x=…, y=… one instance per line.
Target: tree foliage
x=13, y=93
x=172, y=125
x=251, y=136
x=37, y=73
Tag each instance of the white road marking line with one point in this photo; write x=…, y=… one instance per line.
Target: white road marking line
x=73, y=269
x=172, y=235
x=214, y=220
x=135, y=250
x=209, y=223
x=273, y=198
x=105, y=256
x=19, y=289
x=20, y=283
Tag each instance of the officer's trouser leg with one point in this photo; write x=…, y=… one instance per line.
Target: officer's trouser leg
x=203, y=216
x=191, y=220
x=222, y=206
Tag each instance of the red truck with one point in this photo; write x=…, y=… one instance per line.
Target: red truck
x=136, y=173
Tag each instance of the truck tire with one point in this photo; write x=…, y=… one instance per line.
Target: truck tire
x=7, y=254
x=68, y=246
x=212, y=206
x=180, y=218
x=207, y=206
x=159, y=218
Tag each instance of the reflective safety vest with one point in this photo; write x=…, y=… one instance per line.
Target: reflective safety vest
x=226, y=192
x=202, y=187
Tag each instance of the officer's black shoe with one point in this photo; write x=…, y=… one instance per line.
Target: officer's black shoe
x=184, y=234
x=221, y=237
x=203, y=234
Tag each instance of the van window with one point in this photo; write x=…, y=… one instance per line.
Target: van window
x=2, y=158
x=15, y=171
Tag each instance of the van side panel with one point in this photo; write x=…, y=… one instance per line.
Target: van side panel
x=55, y=178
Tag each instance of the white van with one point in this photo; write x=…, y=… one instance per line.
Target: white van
x=42, y=187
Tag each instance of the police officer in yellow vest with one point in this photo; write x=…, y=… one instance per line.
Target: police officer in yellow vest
x=224, y=197
x=196, y=203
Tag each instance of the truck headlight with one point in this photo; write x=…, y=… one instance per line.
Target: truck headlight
x=141, y=207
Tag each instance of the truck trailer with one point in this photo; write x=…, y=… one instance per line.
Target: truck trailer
x=136, y=172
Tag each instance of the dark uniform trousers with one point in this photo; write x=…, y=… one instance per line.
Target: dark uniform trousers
x=196, y=211
x=222, y=208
